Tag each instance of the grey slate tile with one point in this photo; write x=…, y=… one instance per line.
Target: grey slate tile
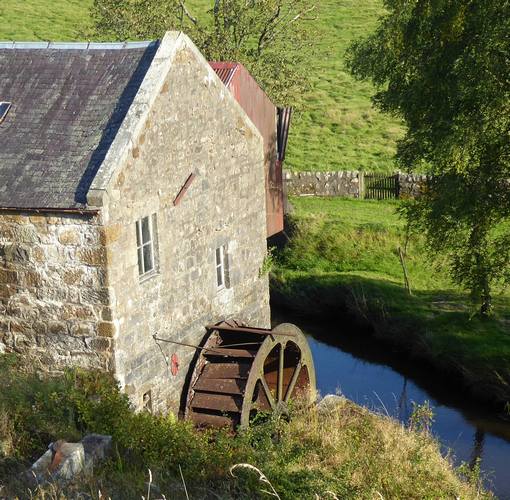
x=67, y=106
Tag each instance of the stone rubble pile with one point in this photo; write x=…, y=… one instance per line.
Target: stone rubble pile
x=64, y=461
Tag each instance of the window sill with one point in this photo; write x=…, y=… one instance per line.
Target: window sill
x=224, y=290
x=147, y=276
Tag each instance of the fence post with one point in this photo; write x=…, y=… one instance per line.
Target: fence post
x=361, y=185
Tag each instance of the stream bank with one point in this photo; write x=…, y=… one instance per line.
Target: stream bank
x=372, y=375
x=363, y=318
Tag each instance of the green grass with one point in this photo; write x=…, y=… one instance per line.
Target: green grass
x=335, y=127
x=33, y=20
x=346, y=451
x=343, y=254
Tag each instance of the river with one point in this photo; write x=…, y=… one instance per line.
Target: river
x=371, y=376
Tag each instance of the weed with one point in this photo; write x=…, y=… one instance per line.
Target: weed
x=422, y=417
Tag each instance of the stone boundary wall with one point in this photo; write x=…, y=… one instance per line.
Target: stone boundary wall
x=345, y=183
x=322, y=183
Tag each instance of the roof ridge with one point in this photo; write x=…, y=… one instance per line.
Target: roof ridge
x=79, y=45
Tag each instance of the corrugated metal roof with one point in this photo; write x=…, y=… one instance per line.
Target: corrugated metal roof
x=225, y=70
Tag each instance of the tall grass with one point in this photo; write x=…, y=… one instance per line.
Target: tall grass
x=344, y=452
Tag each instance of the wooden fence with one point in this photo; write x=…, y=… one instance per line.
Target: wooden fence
x=380, y=186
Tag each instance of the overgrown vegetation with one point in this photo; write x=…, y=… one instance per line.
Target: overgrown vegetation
x=347, y=452
x=343, y=258
x=335, y=126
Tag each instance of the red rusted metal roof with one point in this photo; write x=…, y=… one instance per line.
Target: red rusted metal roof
x=225, y=70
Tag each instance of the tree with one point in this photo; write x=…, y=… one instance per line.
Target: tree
x=444, y=67
x=272, y=38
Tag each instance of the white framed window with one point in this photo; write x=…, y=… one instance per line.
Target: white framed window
x=146, y=245
x=221, y=267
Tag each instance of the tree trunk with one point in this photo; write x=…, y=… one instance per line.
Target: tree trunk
x=486, y=307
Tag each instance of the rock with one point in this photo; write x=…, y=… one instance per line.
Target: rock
x=64, y=461
x=96, y=447
x=329, y=402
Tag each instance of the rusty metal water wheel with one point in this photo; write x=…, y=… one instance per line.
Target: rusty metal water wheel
x=243, y=370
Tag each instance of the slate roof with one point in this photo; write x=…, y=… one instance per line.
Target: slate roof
x=68, y=102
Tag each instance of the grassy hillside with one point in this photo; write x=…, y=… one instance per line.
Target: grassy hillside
x=343, y=256
x=43, y=19
x=336, y=127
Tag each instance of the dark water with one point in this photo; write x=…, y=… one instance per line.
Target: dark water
x=373, y=377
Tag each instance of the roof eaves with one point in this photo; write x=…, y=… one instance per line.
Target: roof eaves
x=80, y=211
x=78, y=45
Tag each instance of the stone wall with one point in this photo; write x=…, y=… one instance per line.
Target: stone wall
x=411, y=185
x=322, y=183
x=53, y=291
x=346, y=184
x=193, y=127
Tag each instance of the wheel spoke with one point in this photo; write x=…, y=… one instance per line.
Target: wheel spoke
x=269, y=396
x=280, y=373
x=293, y=381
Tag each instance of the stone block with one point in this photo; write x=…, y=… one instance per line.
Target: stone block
x=76, y=312
x=92, y=256
x=106, y=329
x=7, y=276
x=101, y=344
x=16, y=253
x=69, y=236
x=111, y=234
x=72, y=276
x=94, y=296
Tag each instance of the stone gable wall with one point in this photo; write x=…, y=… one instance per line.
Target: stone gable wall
x=53, y=291
x=194, y=127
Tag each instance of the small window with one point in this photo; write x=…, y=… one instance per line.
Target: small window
x=222, y=267
x=146, y=244
x=4, y=109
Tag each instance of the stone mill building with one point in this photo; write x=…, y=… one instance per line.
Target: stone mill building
x=132, y=203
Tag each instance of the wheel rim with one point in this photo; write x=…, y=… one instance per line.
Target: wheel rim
x=282, y=370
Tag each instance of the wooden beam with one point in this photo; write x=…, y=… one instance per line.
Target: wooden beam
x=184, y=188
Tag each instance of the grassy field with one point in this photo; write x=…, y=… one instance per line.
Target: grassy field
x=335, y=127
x=343, y=254
x=345, y=452
x=33, y=20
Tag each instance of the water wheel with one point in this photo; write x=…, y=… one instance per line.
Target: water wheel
x=243, y=370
